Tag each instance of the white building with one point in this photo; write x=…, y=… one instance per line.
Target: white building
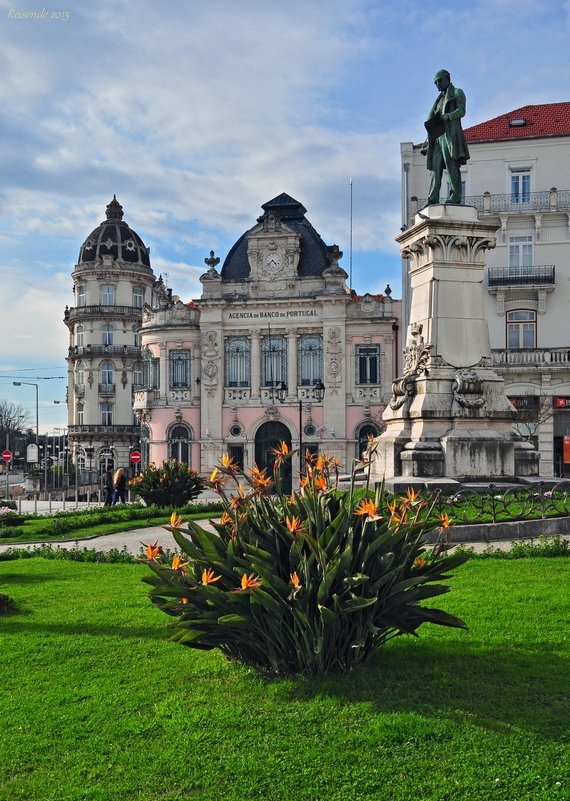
x=277, y=348
x=112, y=281
x=518, y=176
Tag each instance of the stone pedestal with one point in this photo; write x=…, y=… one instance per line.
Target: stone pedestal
x=448, y=415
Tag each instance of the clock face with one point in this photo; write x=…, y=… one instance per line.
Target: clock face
x=273, y=261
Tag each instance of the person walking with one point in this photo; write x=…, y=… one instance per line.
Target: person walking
x=120, y=484
x=108, y=486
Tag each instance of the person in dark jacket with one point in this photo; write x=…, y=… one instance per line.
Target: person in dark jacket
x=446, y=147
x=120, y=485
x=109, y=486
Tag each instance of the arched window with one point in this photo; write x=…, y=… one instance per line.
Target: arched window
x=237, y=362
x=273, y=361
x=79, y=374
x=107, y=295
x=106, y=370
x=107, y=334
x=521, y=329
x=138, y=380
x=178, y=444
x=79, y=336
x=310, y=357
x=106, y=460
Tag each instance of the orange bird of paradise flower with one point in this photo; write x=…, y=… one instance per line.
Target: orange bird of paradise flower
x=444, y=521
x=294, y=579
x=153, y=551
x=281, y=452
x=369, y=508
x=228, y=463
x=208, y=576
x=250, y=582
x=178, y=563
x=294, y=524
x=176, y=520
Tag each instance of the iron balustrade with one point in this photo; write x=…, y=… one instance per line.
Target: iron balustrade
x=487, y=203
x=538, y=275
x=101, y=429
x=81, y=312
x=112, y=350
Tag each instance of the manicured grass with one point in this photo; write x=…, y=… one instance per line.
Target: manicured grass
x=96, y=522
x=97, y=705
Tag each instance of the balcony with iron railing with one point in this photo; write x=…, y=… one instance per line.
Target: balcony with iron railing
x=102, y=350
x=85, y=312
x=103, y=429
x=487, y=203
x=536, y=275
x=106, y=389
x=531, y=358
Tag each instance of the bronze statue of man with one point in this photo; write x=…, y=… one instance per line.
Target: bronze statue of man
x=446, y=147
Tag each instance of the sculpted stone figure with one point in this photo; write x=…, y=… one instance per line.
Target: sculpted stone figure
x=446, y=147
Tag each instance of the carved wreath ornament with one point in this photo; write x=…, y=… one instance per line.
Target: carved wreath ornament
x=466, y=382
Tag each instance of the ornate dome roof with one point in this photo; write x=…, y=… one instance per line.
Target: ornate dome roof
x=313, y=259
x=114, y=238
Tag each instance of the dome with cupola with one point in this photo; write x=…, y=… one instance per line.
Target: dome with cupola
x=113, y=237
x=313, y=257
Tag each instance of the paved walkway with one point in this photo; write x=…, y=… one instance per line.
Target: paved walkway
x=132, y=541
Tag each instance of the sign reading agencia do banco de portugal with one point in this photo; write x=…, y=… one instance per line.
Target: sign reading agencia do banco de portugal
x=281, y=314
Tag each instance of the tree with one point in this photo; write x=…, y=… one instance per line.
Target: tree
x=531, y=414
x=14, y=419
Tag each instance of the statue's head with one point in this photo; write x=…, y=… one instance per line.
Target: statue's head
x=442, y=79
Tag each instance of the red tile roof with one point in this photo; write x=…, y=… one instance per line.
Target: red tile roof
x=547, y=119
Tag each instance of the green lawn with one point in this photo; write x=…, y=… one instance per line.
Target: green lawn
x=97, y=705
x=71, y=526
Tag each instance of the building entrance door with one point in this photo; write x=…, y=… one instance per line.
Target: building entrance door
x=268, y=437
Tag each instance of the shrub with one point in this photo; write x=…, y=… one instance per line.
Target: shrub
x=7, y=604
x=8, y=518
x=113, y=556
x=8, y=504
x=301, y=584
x=172, y=484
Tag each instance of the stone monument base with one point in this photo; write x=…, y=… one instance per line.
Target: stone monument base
x=449, y=416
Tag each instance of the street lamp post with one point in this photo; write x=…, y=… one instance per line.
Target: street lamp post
x=318, y=394
x=36, y=386
x=29, y=384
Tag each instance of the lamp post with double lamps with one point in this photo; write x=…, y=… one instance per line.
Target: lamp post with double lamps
x=318, y=395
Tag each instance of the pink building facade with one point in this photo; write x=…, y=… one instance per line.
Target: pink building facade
x=276, y=348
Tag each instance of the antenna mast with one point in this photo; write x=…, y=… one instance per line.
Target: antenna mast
x=350, y=241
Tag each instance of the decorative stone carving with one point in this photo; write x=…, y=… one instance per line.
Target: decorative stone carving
x=417, y=353
x=466, y=382
x=416, y=358
x=210, y=358
x=451, y=248
x=334, y=367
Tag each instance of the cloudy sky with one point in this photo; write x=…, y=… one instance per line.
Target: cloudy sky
x=195, y=112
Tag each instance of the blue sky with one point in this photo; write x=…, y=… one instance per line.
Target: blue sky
x=195, y=112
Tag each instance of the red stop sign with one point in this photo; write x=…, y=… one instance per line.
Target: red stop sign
x=7, y=456
x=135, y=457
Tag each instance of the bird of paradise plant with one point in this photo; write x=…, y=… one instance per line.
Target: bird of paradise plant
x=304, y=583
